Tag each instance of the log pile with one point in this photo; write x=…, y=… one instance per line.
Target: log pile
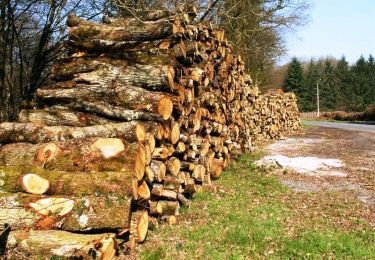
x=138, y=117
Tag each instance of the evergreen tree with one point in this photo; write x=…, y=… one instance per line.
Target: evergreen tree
x=312, y=76
x=328, y=90
x=359, y=84
x=342, y=74
x=370, y=91
x=294, y=82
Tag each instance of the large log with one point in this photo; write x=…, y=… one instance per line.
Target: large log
x=56, y=117
x=39, y=244
x=71, y=183
x=107, y=72
x=100, y=154
x=20, y=211
x=145, y=31
x=116, y=112
x=119, y=95
x=39, y=133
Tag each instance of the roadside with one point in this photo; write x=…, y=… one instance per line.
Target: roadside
x=254, y=215
x=347, y=162
x=350, y=126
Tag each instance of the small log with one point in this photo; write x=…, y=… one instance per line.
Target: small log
x=159, y=170
x=183, y=200
x=40, y=244
x=173, y=166
x=159, y=191
x=164, y=207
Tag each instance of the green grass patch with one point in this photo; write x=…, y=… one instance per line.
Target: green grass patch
x=254, y=216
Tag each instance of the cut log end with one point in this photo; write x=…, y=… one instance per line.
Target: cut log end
x=108, y=147
x=54, y=207
x=140, y=162
x=140, y=132
x=45, y=153
x=34, y=184
x=139, y=225
x=143, y=191
x=165, y=108
x=175, y=133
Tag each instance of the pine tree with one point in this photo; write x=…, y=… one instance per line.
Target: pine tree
x=328, y=88
x=294, y=82
x=342, y=74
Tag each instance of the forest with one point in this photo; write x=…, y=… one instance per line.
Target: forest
x=342, y=86
x=33, y=35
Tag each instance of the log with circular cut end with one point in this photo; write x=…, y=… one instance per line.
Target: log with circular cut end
x=56, y=207
x=165, y=107
x=175, y=133
x=51, y=243
x=173, y=166
x=34, y=184
x=159, y=170
x=199, y=173
x=139, y=225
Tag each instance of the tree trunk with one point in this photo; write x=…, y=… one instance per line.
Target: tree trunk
x=65, y=213
x=38, y=133
x=116, y=112
x=39, y=244
x=60, y=117
x=119, y=95
x=71, y=183
x=107, y=72
x=147, y=31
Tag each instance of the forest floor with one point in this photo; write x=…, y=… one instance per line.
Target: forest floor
x=268, y=211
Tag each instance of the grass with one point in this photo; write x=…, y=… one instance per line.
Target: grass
x=254, y=216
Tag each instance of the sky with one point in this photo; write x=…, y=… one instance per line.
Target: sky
x=336, y=28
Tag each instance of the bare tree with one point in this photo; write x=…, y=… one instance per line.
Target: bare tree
x=31, y=36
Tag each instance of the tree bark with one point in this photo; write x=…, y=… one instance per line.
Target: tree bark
x=60, y=117
x=83, y=214
x=125, y=96
x=105, y=71
x=71, y=183
x=39, y=133
x=40, y=244
x=147, y=31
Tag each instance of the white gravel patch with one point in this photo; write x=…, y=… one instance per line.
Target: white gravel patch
x=305, y=165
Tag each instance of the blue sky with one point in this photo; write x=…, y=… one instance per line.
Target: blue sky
x=336, y=28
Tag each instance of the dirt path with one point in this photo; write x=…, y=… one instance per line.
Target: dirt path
x=328, y=159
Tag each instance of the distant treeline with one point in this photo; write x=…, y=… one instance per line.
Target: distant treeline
x=342, y=86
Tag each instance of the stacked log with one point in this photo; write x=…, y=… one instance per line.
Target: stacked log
x=139, y=116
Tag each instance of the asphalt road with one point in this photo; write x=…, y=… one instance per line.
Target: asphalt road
x=345, y=126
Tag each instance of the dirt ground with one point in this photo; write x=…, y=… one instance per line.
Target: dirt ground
x=355, y=177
